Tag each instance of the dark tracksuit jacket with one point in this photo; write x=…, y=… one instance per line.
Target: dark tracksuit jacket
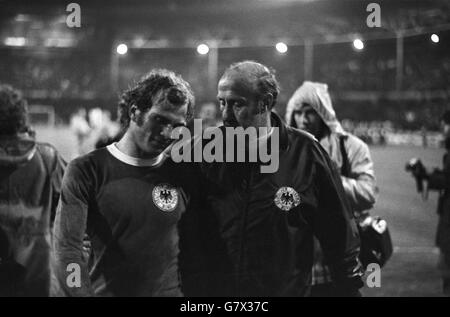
x=251, y=234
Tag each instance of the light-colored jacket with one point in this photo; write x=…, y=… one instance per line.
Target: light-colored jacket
x=360, y=185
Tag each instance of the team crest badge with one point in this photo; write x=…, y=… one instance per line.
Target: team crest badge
x=287, y=198
x=165, y=197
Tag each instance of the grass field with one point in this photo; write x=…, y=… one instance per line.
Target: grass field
x=412, y=221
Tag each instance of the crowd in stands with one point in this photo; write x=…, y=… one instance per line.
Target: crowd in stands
x=55, y=75
x=383, y=133
x=74, y=74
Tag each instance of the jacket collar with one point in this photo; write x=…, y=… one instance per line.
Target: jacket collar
x=277, y=122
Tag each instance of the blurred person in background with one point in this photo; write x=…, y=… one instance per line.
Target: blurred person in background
x=30, y=183
x=106, y=131
x=310, y=109
x=80, y=127
x=208, y=113
x=423, y=133
x=101, y=131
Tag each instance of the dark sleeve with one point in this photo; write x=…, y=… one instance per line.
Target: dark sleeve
x=334, y=225
x=437, y=180
x=193, y=260
x=69, y=268
x=55, y=166
x=447, y=171
x=56, y=180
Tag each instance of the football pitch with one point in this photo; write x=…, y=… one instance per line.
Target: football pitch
x=412, y=221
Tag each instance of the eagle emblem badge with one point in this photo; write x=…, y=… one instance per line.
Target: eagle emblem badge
x=286, y=198
x=165, y=197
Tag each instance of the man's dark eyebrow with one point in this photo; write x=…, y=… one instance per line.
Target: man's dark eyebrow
x=234, y=98
x=179, y=123
x=169, y=121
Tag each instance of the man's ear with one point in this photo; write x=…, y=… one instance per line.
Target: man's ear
x=132, y=112
x=266, y=102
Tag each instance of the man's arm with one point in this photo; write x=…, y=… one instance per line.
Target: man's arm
x=56, y=180
x=55, y=166
x=360, y=187
x=334, y=226
x=70, y=275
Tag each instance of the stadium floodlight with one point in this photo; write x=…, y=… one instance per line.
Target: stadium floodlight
x=358, y=44
x=281, y=47
x=435, y=38
x=22, y=18
x=15, y=41
x=122, y=49
x=203, y=49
